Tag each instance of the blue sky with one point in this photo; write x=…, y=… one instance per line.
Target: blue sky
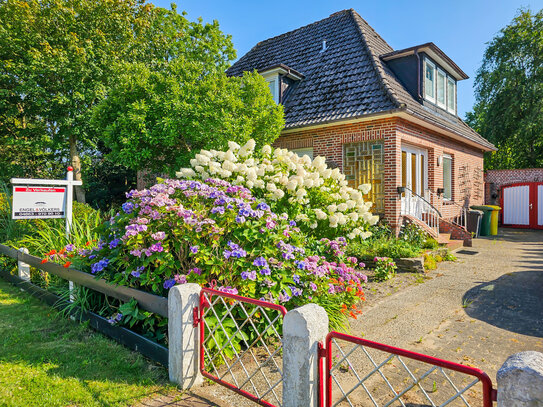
x=460, y=28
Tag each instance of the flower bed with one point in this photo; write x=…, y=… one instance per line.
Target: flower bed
x=219, y=235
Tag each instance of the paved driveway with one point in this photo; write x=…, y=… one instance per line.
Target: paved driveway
x=478, y=310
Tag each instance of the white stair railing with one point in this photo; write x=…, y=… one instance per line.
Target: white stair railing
x=450, y=210
x=415, y=205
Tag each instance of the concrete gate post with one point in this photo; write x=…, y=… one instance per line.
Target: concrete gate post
x=303, y=329
x=23, y=269
x=183, y=338
x=520, y=380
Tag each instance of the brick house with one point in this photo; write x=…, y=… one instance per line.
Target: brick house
x=386, y=117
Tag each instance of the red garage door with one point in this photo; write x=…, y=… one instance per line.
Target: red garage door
x=523, y=205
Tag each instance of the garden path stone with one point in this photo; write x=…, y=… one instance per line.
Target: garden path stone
x=476, y=311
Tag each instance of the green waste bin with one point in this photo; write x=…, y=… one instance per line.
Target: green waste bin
x=494, y=219
x=485, y=222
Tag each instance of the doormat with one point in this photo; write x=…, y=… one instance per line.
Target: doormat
x=468, y=252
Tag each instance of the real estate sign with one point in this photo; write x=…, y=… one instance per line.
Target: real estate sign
x=39, y=202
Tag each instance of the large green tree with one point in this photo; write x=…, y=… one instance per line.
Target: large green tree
x=157, y=119
x=61, y=58
x=509, y=94
x=55, y=64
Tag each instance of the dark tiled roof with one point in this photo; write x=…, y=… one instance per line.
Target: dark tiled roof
x=346, y=81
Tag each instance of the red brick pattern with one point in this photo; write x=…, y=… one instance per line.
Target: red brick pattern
x=496, y=179
x=467, y=160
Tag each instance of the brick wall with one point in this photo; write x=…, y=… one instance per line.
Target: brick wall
x=467, y=171
x=328, y=141
x=496, y=179
x=467, y=162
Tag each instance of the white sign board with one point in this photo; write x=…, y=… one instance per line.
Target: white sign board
x=39, y=202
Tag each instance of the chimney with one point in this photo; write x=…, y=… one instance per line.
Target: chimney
x=323, y=46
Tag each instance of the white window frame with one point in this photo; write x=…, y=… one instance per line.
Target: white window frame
x=274, y=81
x=427, y=62
x=445, y=76
x=447, y=157
x=451, y=109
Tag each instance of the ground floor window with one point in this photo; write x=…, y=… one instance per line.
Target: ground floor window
x=303, y=151
x=447, y=177
x=364, y=163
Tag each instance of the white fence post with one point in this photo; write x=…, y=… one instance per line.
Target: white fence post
x=303, y=329
x=23, y=269
x=183, y=337
x=520, y=380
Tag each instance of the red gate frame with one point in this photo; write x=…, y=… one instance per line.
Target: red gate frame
x=489, y=394
x=198, y=314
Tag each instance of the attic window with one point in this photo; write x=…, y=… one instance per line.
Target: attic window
x=439, y=87
x=429, y=80
x=273, y=83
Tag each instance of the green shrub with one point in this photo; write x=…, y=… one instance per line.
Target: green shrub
x=429, y=262
x=385, y=268
x=382, y=247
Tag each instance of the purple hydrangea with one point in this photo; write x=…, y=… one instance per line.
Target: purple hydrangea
x=180, y=279
x=296, y=278
x=156, y=247
x=159, y=235
x=260, y=262
x=229, y=290
x=263, y=206
x=251, y=275
x=296, y=292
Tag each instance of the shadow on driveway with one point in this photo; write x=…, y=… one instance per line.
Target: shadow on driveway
x=513, y=302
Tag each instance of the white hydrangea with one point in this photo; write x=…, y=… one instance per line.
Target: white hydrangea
x=290, y=183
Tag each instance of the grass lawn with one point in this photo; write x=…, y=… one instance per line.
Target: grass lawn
x=48, y=360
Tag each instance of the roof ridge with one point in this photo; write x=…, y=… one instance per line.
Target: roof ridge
x=303, y=27
x=375, y=58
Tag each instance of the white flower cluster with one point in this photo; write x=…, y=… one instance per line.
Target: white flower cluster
x=294, y=184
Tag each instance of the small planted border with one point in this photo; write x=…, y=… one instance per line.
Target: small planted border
x=126, y=337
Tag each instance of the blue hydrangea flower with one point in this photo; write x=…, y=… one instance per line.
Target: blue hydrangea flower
x=127, y=207
x=169, y=283
x=114, y=243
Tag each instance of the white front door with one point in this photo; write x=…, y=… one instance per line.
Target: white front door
x=414, y=177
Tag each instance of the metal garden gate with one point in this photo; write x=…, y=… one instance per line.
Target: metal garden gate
x=359, y=372
x=241, y=344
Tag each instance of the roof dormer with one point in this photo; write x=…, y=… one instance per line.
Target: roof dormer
x=428, y=74
x=280, y=79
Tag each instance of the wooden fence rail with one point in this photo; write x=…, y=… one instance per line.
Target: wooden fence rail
x=149, y=302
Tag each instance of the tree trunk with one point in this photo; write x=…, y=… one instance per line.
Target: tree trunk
x=76, y=164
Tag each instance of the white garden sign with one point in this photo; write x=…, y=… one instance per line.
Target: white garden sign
x=44, y=198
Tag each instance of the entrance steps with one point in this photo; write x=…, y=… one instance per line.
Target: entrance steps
x=450, y=235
